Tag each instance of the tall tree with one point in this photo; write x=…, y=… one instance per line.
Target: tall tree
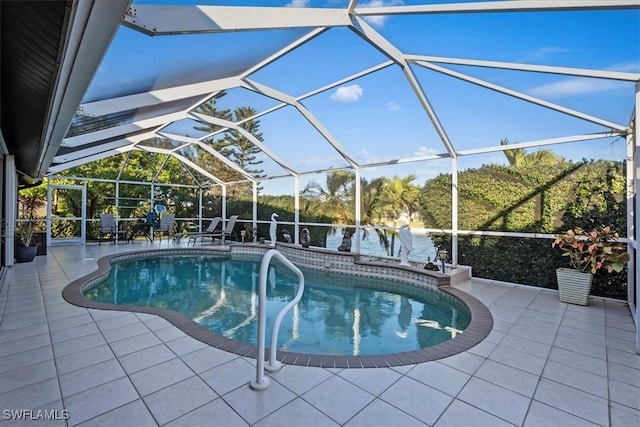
x=336, y=195
x=240, y=148
x=400, y=196
x=338, y=202
x=209, y=108
x=520, y=157
x=515, y=156
x=233, y=145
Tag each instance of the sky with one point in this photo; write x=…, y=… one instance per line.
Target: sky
x=378, y=117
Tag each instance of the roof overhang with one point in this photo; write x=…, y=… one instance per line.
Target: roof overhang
x=50, y=51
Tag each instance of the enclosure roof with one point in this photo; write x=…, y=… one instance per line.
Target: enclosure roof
x=334, y=84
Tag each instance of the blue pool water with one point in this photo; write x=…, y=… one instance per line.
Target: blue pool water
x=338, y=314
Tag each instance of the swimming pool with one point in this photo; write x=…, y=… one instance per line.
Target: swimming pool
x=338, y=314
x=343, y=321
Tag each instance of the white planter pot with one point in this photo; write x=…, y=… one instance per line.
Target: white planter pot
x=574, y=286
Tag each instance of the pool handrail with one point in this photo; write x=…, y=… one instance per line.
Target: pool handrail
x=261, y=382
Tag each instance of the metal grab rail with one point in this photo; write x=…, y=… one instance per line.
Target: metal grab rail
x=261, y=382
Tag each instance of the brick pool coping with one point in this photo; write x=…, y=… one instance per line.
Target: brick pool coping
x=478, y=329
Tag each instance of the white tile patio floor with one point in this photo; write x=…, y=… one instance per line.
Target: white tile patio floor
x=545, y=363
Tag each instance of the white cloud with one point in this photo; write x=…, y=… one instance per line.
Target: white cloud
x=626, y=67
x=298, y=3
x=347, y=93
x=392, y=106
x=571, y=87
x=544, y=53
x=423, y=151
x=379, y=20
x=581, y=86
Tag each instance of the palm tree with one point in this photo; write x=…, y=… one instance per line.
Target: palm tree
x=515, y=156
x=519, y=156
x=373, y=205
x=376, y=198
x=400, y=195
x=335, y=197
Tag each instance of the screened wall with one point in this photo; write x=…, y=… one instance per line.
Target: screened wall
x=506, y=113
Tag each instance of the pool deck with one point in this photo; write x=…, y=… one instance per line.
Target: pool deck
x=545, y=363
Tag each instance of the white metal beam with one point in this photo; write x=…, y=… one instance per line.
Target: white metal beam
x=64, y=166
x=164, y=162
x=315, y=92
x=500, y=6
x=522, y=96
x=92, y=151
x=163, y=20
x=358, y=209
x=291, y=46
x=231, y=125
x=109, y=133
x=491, y=149
x=365, y=31
x=106, y=147
x=547, y=69
x=455, y=193
x=347, y=79
x=209, y=150
x=155, y=97
x=275, y=94
x=9, y=207
x=122, y=166
x=632, y=247
x=190, y=173
x=92, y=26
x=351, y=7
x=540, y=143
x=183, y=160
x=412, y=159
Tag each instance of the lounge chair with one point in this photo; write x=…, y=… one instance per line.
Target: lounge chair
x=167, y=223
x=227, y=232
x=207, y=233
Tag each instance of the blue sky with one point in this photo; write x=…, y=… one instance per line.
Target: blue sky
x=378, y=117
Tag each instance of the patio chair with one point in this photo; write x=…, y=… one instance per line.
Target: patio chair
x=227, y=232
x=207, y=233
x=107, y=227
x=167, y=224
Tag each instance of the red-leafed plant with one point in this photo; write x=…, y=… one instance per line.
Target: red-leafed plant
x=591, y=251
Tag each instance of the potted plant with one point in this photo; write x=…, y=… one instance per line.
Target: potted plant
x=25, y=250
x=588, y=253
x=30, y=201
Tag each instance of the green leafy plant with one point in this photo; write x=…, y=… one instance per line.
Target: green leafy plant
x=25, y=230
x=592, y=251
x=31, y=201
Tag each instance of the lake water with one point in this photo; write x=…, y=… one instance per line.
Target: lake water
x=423, y=247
